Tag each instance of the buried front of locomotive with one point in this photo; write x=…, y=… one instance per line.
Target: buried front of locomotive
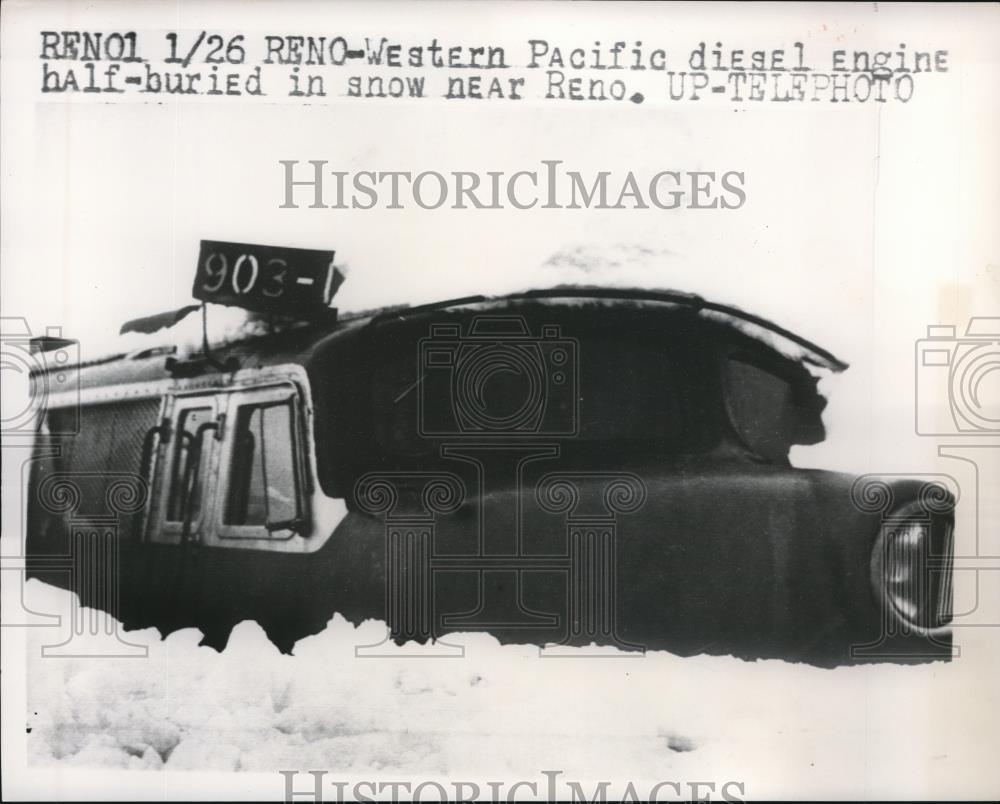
x=562, y=468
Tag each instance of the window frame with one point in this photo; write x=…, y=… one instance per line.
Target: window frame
x=166, y=531
x=223, y=534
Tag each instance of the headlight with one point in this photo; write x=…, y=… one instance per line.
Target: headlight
x=911, y=568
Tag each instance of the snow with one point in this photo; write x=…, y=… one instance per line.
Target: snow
x=224, y=325
x=499, y=712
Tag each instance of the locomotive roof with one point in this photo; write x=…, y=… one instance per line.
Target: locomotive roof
x=259, y=342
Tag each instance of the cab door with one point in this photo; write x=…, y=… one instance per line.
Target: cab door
x=185, y=482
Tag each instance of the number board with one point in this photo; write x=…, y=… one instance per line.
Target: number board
x=266, y=279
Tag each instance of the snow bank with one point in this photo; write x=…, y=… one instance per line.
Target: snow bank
x=499, y=712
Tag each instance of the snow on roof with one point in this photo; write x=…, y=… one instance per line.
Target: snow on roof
x=613, y=272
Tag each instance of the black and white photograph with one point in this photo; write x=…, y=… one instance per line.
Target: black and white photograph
x=499, y=401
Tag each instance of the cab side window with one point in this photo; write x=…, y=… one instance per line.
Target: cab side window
x=262, y=473
x=762, y=408
x=773, y=404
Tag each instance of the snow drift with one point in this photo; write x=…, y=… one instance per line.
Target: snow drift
x=499, y=712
